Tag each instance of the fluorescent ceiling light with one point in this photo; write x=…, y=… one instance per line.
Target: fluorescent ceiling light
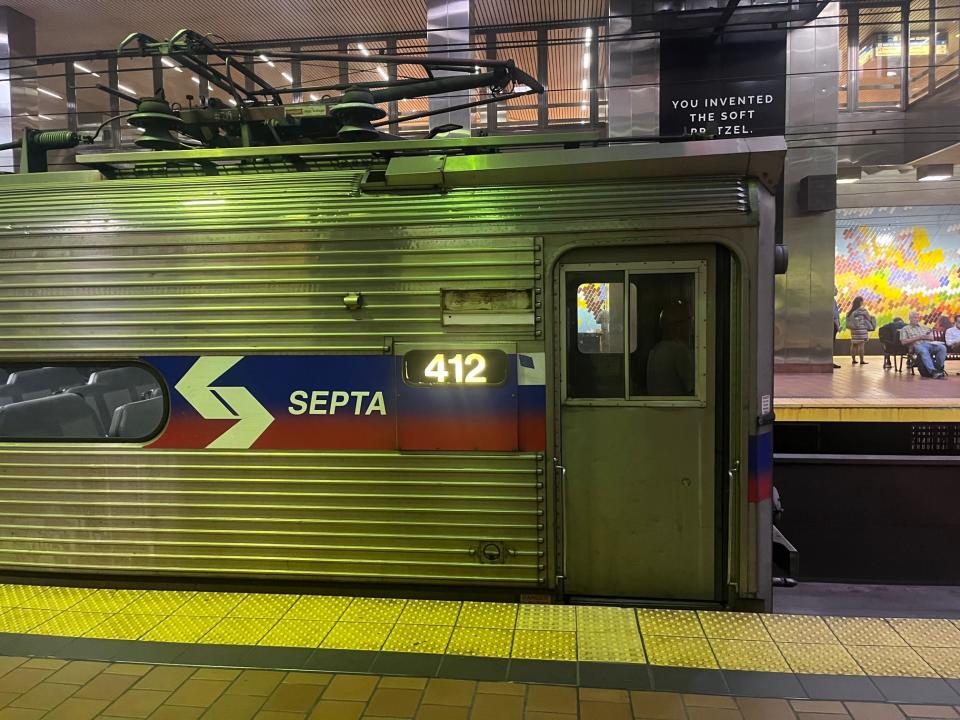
x=170, y=64
x=44, y=117
x=232, y=101
x=586, y=60
x=927, y=173
x=363, y=48
x=314, y=97
x=287, y=76
x=846, y=175
x=588, y=36
x=196, y=80
x=267, y=60
x=51, y=93
x=383, y=73
x=585, y=85
x=83, y=68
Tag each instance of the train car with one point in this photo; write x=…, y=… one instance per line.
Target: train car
x=529, y=365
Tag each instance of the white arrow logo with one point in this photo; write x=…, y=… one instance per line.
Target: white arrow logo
x=224, y=403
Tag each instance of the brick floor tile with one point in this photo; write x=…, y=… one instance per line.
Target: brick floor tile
x=502, y=688
x=407, y=683
x=45, y=696
x=765, y=709
x=9, y=713
x=874, y=711
x=293, y=698
x=822, y=716
x=106, y=687
x=234, y=707
x=79, y=672
x=552, y=698
x=45, y=663
x=9, y=663
x=198, y=693
x=594, y=710
x=357, y=688
x=824, y=707
x=177, y=712
x=337, y=710
x=308, y=678
x=712, y=713
x=128, y=669
x=77, y=709
x=449, y=692
x=657, y=705
x=442, y=712
x=216, y=674
x=137, y=703
x=21, y=679
x=164, y=678
x=604, y=695
x=929, y=711
x=537, y=715
x=278, y=715
x=256, y=682
x=8, y=697
x=715, y=701
x=497, y=707
x=394, y=703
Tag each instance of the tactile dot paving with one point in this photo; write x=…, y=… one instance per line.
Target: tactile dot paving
x=547, y=617
x=70, y=624
x=158, y=602
x=209, y=604
x=945, y=661
x=486, y=642
x=606, y=619
x=676, y=623
x=14, y=595
x=238, y=631
x=733, y=626
x=488, y=615
x=297, y=633
x=373, y=610
x=679, y=651
x=124, y=627
x=318, y=607
x=610, y=647
x=418, y=638
x=430, y=612
x=864, y=631
x=798, y=629
x=886, y=660
x=357, y=636
x=544, y=645
x=819, y=659
x=748, y=655
x=108, y=601
x=264, y=606
x=181, y=628
x=56, y=598
x=20, y=620
x=927, y=632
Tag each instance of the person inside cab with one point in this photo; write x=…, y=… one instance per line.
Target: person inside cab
x=670, y=363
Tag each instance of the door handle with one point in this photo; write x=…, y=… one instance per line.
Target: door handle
x=561, y=485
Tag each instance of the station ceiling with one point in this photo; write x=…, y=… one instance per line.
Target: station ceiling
x=74, y=25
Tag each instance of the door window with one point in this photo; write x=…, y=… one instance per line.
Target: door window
x=653, y=313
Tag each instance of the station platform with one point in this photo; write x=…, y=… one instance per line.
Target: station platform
x=73, y=653
x=855, y=393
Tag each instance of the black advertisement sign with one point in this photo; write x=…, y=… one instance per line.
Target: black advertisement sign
x=723, y=85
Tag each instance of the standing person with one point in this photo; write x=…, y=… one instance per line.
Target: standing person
x=889, y=335
x=919, y=338
x=860, y=323
x=836, y=322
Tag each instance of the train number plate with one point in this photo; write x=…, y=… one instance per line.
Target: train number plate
x=454, y=367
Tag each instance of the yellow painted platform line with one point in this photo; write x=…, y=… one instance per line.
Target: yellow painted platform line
x=678, y=638
x=841, y=413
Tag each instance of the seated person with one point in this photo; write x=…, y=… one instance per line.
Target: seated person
x=952, y=336
x=670, y=362
x=940, y=331
x=919, y=339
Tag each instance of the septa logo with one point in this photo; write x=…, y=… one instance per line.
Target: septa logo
x=224, y=403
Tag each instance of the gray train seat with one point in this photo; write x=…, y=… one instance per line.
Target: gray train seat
x=138, y=419
x=3, y=376
x=40, y=382
x=57, y=416
x=109, y=389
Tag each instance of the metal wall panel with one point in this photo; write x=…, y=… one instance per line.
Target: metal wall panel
x=337, y=516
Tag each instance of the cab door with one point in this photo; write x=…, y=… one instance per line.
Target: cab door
x=640, y=417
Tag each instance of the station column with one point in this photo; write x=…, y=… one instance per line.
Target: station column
x=448, y=33
x=18, y=96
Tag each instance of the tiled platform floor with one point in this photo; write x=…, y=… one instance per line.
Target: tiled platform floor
x=83, y=690
x=867, y=394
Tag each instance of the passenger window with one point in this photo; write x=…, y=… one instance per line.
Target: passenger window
x=663, y=356
x=79, y=402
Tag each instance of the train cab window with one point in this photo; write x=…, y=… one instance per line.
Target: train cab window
x=663, y=357
x=79, y=402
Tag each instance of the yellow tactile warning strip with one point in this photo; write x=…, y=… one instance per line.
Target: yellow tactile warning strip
x=678, y=638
